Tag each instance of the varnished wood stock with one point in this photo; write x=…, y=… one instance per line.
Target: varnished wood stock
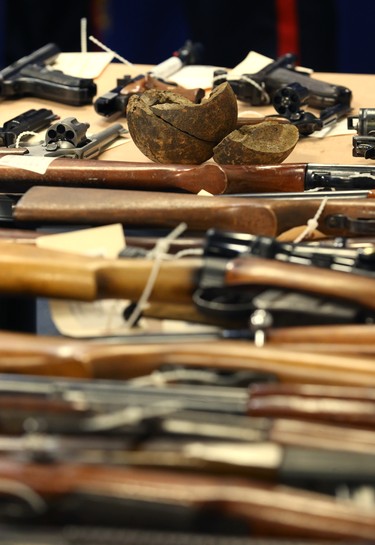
x=269, y=217
x=211, y=177
x=26, y=270
x=346, y=405
x=265, y=509
x=39, y=355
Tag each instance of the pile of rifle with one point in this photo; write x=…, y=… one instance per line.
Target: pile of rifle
x=257, y=427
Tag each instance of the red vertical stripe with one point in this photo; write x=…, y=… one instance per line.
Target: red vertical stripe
x=287, y=27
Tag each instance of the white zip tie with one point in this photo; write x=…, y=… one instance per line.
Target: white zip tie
x=158, y=253
x=105, y=48
x=312, y=223
x=83, y=35
x=21, y=135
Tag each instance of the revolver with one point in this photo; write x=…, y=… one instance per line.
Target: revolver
x=364, y=140
x=29, y=121
x=32, y=76
x=281, y=84
x=68, y=138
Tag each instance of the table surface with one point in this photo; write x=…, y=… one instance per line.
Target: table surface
x=334, y=149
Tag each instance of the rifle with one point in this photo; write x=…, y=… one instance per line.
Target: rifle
x=48, y=356
x=243, y=285
x=95, y=535
x=31, y=76
x=297, y=464
x=269, y=217
x=236, y=406
x=211, y=177
x=145, y=498
x=116, y=100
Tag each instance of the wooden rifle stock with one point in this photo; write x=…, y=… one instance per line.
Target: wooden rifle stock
x=346, y=405
x=268, y=217
x=26, y=270
x=43, y=355
x=211, y=177
x=262, y=510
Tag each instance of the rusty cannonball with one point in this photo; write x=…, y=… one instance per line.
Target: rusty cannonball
x=169, y=128
x=264, y=143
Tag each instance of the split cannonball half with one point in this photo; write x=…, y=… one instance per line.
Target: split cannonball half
x=169, y=128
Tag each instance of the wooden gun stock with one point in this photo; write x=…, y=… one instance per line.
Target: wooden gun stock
x=268, y=217
x=39, y=355
x=346, y=405
x=261, y=510
x=215, y=179
x=26, y=270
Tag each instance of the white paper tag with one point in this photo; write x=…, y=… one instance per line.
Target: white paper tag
x=82, y=65
x=27, y=162
x=104, y=317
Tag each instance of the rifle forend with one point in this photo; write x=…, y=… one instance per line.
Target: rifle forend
x=125, y=496
x=38, y=355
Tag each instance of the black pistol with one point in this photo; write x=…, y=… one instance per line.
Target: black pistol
x=32, y=76
x=30, y=121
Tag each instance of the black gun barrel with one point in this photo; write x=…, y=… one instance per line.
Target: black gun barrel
x=46, y=53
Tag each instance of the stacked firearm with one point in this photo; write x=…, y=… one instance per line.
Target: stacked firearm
x=256, y=430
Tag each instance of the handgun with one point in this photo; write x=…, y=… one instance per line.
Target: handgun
x=116, y=100
x=32, y=76
x=364, y=140
x=29, y=121
x=68, y=138
x=262, y=88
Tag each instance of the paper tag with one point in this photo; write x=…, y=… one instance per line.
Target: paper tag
x=194, y=75
x=336, y=129
x=251, y=64
x=28, y=162
x=204, y=193
x=83, y=65
x=103, y=317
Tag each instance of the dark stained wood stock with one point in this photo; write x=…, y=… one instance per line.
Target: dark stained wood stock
x=267, y=509
x=268, y=217
x=22, y=353
x=211, y=177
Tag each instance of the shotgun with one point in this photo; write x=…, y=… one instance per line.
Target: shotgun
x=28, y=354
x=211, y=177
x=270, y=217
x=96, y=535
x=294, y=464
x=340, y=417
x=132, y=497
